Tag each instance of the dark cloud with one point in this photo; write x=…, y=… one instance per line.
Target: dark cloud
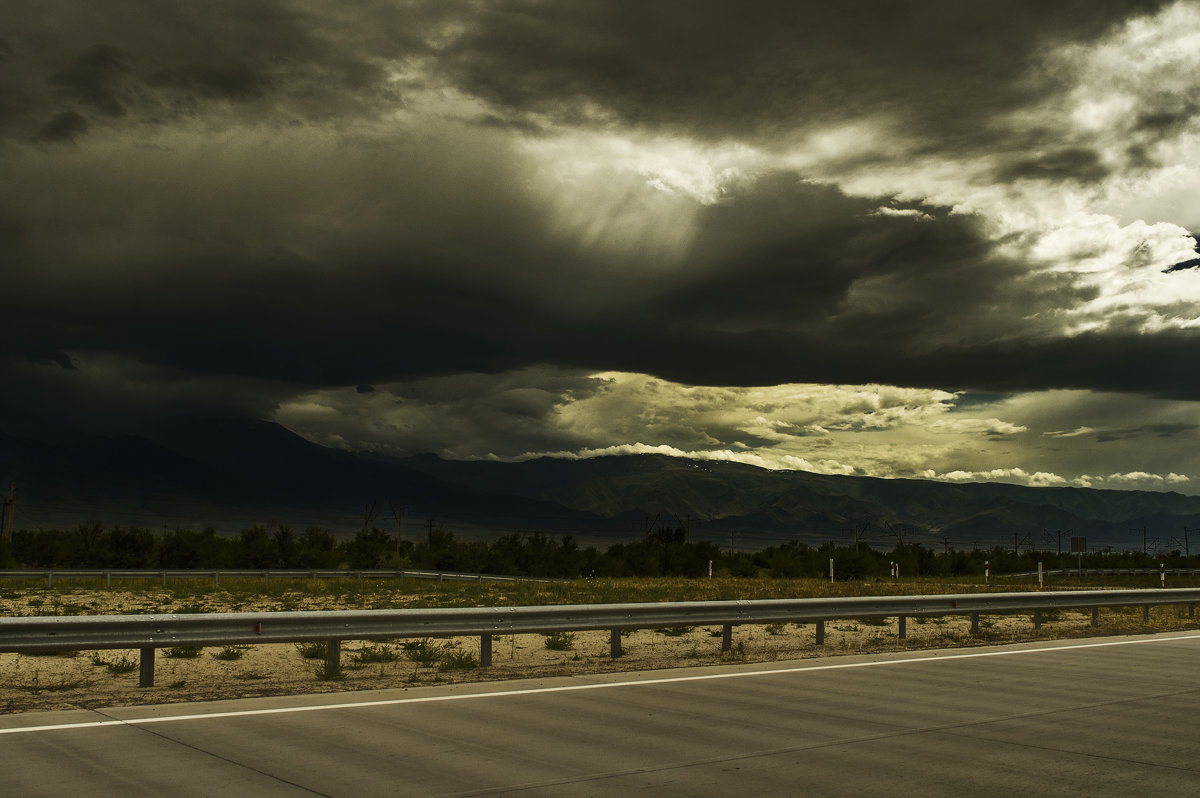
x=64, y=127
x=141, y=61
x=1072, y=163
x=91, y=79
x=238, y=83
x=1187, y=264
x=302, y=236
x=1149, y=430
x=780, y=69
x=790, y=282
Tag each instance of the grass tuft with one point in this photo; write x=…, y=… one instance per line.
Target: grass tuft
x=230, y=653
x=376, y=653
x=183, y=652
x=455, y=659
x=123, y=664
x=559, y=641
x=423, y=652
x=317, y=649
x=675, y=631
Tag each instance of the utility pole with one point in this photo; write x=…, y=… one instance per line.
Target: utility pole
x=946, y=547
x=8, y=514
x=429, y=533
x=1186, y=553
x=1143, y=540
x=368, y=516
x=398, y=514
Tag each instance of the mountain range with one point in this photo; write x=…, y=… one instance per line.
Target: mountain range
x=233, y=473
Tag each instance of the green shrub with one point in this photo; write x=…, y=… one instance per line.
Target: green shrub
x=376, y=653
x=183, y=652
x=229, y=653
x=675, y=631
x=423, y=652
x=454, y=659
x=124, y=664
x=316, y=649
x=560, y=641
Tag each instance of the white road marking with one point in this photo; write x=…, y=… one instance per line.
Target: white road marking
x=591, y=686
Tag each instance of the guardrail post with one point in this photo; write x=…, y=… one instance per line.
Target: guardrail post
x=1095, y=616
x=49, y=580
x=108, y=579
x=974, y=623
x=1191, y=610
x=146, y=667
x=1037, y=619
x=614, y=643
x=216, y=578
x=726, y=637
x=902, y=626
x=267, y=579
x=820, y=633
x=164, y=578
x=485, y=651
x=333, y=658
x=1145, y=613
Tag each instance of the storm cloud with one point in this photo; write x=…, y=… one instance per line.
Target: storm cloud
x=226, y=208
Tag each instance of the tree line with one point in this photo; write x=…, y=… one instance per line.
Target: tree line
x=662, y=552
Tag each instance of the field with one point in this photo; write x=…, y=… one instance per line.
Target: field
x=109, y=678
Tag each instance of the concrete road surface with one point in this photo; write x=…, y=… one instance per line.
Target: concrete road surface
x=1101, y=717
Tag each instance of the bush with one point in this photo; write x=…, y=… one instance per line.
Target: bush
x=316, y=649
x=423, y=652
x=454, y=659
x=675, y=631
x=229, y=653
x=125, y=664
x=560, y=641
x=183, y=652
x=376, y=653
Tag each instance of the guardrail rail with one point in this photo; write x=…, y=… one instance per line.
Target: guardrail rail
x=150, y=632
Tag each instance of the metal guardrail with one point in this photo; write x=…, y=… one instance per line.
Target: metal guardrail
x=109, y=574
x=149, y=632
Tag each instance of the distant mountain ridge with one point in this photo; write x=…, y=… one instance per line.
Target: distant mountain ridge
x=725, y=495
x=232, y=473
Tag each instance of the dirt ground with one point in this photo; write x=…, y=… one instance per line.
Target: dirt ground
x=86, y=679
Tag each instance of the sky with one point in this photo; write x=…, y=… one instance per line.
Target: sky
x=936, y=240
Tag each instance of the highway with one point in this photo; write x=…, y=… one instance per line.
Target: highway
x=1106, y=716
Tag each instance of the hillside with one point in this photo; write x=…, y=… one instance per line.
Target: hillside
x=230, y=474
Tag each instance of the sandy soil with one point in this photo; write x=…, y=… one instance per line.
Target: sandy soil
x=109, y=678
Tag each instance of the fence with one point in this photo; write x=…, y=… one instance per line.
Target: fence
x=1102, y=572
x=150, y=632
